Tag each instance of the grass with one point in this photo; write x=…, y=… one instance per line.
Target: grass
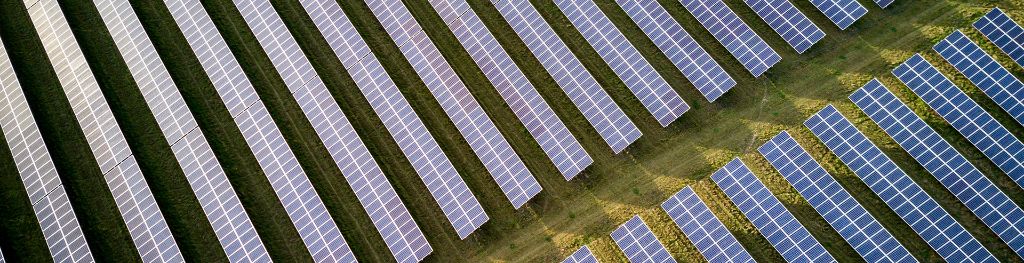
x=567, y=214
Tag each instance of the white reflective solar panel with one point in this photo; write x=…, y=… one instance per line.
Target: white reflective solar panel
x=872, y=241
x=685, y=53
x=703, y=228
x=554, y=138
x=788, y=22
x=737, y=37
x=134, y=199
x=389, y=215
x=636, y=73
x=476, y=127
x=221, y=205
x=973, y=122
x=639, y=244
x=57, y=220
x=596, y=105
x=582, y=255
x=842, y=12
x=768, y=214
x=896, y=189
x=965, y=181
x=992, y=78
x=1001, y=30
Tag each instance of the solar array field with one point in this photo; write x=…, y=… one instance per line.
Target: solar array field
x=703, y=228
x=639, y=244
x=746, y=46
x=788, y=22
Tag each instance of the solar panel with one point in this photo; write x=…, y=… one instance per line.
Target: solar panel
x=582, y=255
x=596, y=105
x=872, y=241
x=737, y=37
x=138, y=208
x=980, y=128
x=937, y=156
x=704, y=229
x=554, y=138
x=884, y=3
x=788, y=22
x=685, y=53
x=209, y=182
x=639, y=244
x=639, y=76
x=1004, y=32
x=392, y=219
x=768, y=214
x=992, y=78
x=476, y=127
x=896, y=189
x=841, y=12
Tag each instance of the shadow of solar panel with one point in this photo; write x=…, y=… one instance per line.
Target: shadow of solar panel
x=872, y=241
x=639, y=76
x=540, y=120
x=788, y=22
x=737, y=37
x=703, y=228
x=768, y=214
x=685, y=53
x=582, y=255
x=639, y=244
x=596, y=105
x=841, y=12
x=1001, y=30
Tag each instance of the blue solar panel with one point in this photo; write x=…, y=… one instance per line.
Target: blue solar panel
x=788, y=22
x=540, y=120
x=968, y=184
x=872, y=241
x=980, y=128
x=842, y=12
x=596, y=105
x=582, y=255
x=685, y=53
x=992, y=78
x=896, y=189
x=639, y=76
x=737, y=37
x=1004, y=32
x=884, y=3
x=639, y=244
x=703, y=229
x=476, y=127
x=768, y=214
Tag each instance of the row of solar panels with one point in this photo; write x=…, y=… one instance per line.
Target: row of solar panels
x=905, y=197
x=295, y=192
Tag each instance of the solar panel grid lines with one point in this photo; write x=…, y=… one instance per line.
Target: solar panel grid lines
x=884, y=3
x=490, y=146
x=972, y=121
x=1004, y=32
x=981, y=69
x=617, y=130
x=582, y=255
x=392, y=219
x=704, y=229
x=783, y=17
x=639, y=244
x=540, y=120
x=685, y=53
x=861, y=230
x=768, y=214
x=841, y=12
x=217, y=198
x=742, y=42
x=135, y=202
x=58, y=222
x=919, y=210
x=952, y=169
x=636, y=73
